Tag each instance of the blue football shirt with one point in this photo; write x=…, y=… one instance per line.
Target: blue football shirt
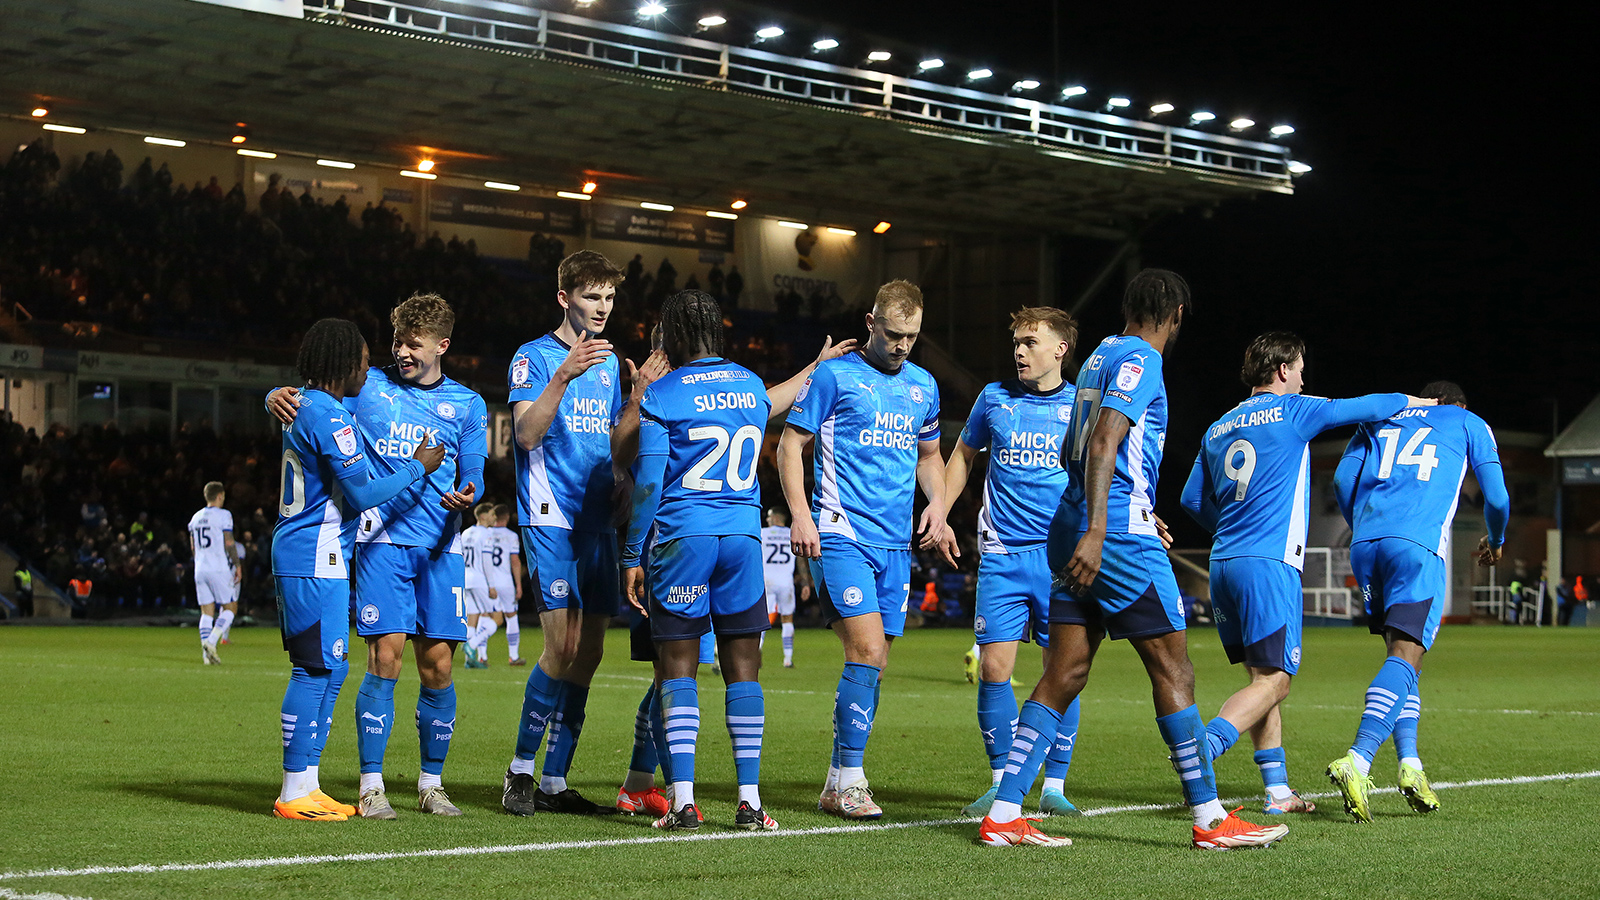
x=1024, y=432
x=701, y=426
x=1251, y=481
x=566, y=481
x=394, y=415
x=1402, y=476
x=867, y=424
x=1125, y=374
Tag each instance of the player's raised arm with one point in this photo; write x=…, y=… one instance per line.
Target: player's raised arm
x=1348, y=473
x=1197, y=499
x=472, y=453
x=1484, y=457
x=284, y=404
x=532, y=418
x=625, y=436
x=363, y=491
x=782, y=395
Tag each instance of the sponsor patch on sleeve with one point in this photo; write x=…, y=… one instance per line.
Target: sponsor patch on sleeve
x=345, y=438
x=519, y=371
x=1128, y=376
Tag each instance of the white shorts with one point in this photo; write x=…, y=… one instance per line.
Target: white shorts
x=215, y=588
x=476, y=601
x=505, y=600
x=780, y=598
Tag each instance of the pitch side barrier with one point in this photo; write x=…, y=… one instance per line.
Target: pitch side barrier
x=1060, y=129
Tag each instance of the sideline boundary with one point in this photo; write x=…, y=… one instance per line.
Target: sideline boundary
x=498, y=849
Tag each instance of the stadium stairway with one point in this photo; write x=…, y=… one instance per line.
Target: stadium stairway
x=49, y=601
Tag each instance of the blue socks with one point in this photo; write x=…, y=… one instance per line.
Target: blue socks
x=644, y=742
x=747, y=721
x=680, y=705
x=302, y=707
x=997, y=717
x=1037, y=725
x=853, y=706
x=1396, y=680
x=1405, y=728
x=1059, y=759
x=538, y=705
x=658, y=734
x=336, y=678
x=1220, y=737
x=436, y=725
x=1186, y=738
x=1274, y=768
x=374, y=720
x=567, y=728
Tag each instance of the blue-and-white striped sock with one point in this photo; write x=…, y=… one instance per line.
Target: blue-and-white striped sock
x=1396, y=679
x=747, y=722
x=680, y=707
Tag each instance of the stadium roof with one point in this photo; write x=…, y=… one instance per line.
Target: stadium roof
x=1581, y=438
x=497, y=106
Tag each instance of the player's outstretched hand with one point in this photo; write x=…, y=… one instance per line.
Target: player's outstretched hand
x=430, y=455
x=284, y=404
x=655, y=366
x=1084, y=567
x=460, y=501
x=1487, y=555
x=583, y=356
x=1164, y=534
x=633, y=588
x=1420, y=401
x=830, y=350
x=934, y=532
x=803, y=538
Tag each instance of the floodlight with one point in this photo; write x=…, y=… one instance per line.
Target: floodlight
x=1076, y=90
x=65, y=129
x=879, y=56
x=652, y=9
x=841, y=231
x=1161, y=108
x=824, y=44
x=934, y=63
x=719, y=214
x=425, y=176
x=739, y=204
x=502, y=186
x=658, y=207
x=1196, y=118
x=978, y=74
x=166, y=142
x=1282, y=130
x=40, y=112
x=1298, y=168
x=1026, y=84
x=425, y=166
x=258, y=154
x=1119, y=103
x=573, y=195
x=590, y=187
x=770, y=32
x=881, y=227
x=1241, y=123
x=336, y=164
x=798, y=226
x=712, y=22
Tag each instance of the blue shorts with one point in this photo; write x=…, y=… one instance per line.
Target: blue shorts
x=1013, y=597
x=1403, y=586
x=314, y=616
x=573, y=570
x=1134, y=596
x=702, y=584
x=410, y=590
x=854, y=579
x=1258, y=607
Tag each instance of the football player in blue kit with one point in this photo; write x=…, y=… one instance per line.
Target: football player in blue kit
x=1022, y=423
x=565, y=396
x=1398, y=484
x=328, y=479
x=1251, y=487
x=874, y=419
x=1107, y=549
x=410, y=577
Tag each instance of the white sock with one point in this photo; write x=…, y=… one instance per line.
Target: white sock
x=1059, y=785
x=294, y=786
x=751, y=794
x=1363, y=765
x=1413, y=762
x=521, y=766
x=1208, y=812
x=425, y=781
x=682, y=794
x=832, y=781
x=1279, y=792
x=637, y=781
x=850, y=776
x=974, y=650
x=995, y=775
x=224, y=622
x=761, y=642
x=371, y=781
x=1004, y=811
x=552, y=784
x=514, y=636
x=313, y=781
x=207, y=628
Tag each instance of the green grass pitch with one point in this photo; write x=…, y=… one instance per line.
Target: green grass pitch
x=122, y=750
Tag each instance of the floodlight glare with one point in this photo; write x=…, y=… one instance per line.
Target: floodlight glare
x=1119, y=103
x=1282, y=130
x=65, y=129
x=1160, y=108
x=719, y=214
x=798, y=226
x=1201, y=116
x=1026, y=84
x=502, y=186
x=573, y=195
x=977, y=74
x=425, y=166
x=590, y=187
x=425, y=176
x=258, y=154
x=881, y=227
x=40, y=112
x=165, y=142
x=652, y=9
x=712, y=22
x=1076, y=90
x=770, y=32
x=879, y=55
x=1298, y=168
x=934, y=63
x=1241, y=123
x=658, y=207
x=824, y=44
x=739, y=204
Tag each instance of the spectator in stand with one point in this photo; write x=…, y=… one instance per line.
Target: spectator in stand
x=735, y=287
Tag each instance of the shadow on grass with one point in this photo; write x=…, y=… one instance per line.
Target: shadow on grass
x=241, y=795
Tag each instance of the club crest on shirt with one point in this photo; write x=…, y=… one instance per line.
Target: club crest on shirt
x=1128, y=376
x=1063, y=413
x=916, y=394
x=605, y=378
x=446, y=410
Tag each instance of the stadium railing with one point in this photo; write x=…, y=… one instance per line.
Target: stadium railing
x=545, y=34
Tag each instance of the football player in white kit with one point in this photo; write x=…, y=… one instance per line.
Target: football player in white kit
x=476, y=541
x=216, y=570
x=504, y=568
x=777, y=565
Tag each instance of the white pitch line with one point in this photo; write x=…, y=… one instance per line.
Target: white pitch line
x=7, y=894
x=277, y=861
